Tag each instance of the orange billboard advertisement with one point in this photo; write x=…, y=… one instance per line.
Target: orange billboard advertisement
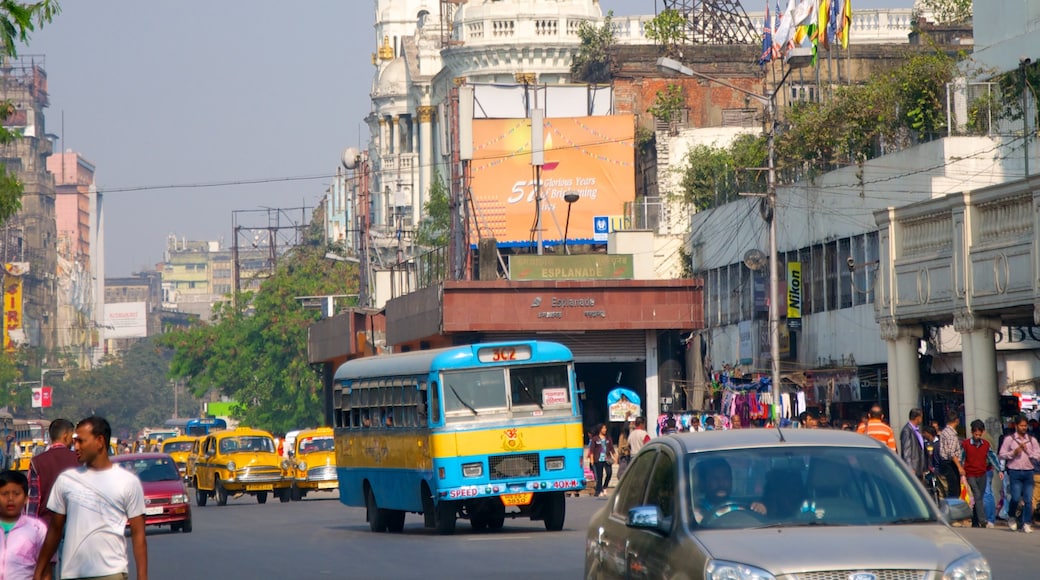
x=12, y=311
x=592, y=157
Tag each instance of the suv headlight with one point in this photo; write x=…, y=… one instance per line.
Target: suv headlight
x=231, y=465
x=970, y=567
x=472, y=469
x=722, y=570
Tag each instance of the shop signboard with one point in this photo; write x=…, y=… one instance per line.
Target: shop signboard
x=578, y=267
x=623, y=401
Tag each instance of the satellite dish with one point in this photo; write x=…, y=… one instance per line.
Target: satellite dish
x=755, y=259
x=351, y=156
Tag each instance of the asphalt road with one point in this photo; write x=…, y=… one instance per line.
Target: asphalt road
x=320, y=538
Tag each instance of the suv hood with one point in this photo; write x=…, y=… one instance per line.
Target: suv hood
x=783, y=550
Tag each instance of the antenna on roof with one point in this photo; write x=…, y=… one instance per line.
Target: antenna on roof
x=780, y=433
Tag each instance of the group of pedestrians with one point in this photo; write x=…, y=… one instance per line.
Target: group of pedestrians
x=943, y=460
x=76, y=502
x=602, y=454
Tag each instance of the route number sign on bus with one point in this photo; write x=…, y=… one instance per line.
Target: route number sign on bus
x=494, y=354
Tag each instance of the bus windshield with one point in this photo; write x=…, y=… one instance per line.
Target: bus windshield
x=484, y=392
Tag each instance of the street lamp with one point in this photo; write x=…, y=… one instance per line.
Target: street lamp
x=570, y=197
x=796, y=58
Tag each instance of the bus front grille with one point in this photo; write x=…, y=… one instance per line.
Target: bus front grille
x=516, y=465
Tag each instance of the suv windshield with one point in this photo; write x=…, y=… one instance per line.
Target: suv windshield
x=745, y=488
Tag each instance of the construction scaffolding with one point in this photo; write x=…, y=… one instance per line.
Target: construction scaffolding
x=714, y=21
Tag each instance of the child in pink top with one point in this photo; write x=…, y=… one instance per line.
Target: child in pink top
x=23, y=534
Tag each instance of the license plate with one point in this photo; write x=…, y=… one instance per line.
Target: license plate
x=260, y=487
x=517, y=498
x=328, y=484
x=153, y=511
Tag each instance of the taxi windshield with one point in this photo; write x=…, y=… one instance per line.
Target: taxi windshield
x=247, y=444
x=176, y=446
x=747, y=488
x=315, y=444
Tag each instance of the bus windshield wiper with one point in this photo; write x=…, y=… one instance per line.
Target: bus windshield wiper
x=464, y=403
x=530, y=395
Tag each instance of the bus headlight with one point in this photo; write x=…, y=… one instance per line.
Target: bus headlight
x=472, y=469
x=554, y=463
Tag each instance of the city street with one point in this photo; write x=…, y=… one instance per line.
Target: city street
x=320, y=538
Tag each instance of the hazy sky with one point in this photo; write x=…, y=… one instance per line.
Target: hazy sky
x=173, y=93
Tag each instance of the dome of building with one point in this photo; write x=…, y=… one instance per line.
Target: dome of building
x=393, y=79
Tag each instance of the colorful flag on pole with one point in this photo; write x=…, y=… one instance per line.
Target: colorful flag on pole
x=845, y=24
x=821, y=25
x=767, y=39
x=784, y=34
x=833, y=21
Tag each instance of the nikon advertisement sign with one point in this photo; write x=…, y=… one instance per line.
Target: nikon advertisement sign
x=794, y=295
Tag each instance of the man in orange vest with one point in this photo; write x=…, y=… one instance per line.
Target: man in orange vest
x=876, y=428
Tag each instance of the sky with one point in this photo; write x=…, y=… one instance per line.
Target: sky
x=197, y=92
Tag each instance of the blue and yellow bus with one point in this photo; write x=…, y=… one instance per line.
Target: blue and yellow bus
x=480, y=432
x=204, y=426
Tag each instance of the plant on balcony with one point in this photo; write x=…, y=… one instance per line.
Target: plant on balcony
x=591, y=64
x=712, y=176
x=436, y=222
x=668, y=104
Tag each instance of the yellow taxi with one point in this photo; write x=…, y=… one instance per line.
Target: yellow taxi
x=192, y=459
x=26, y=451
x=313, y=463
x=242, y=461
x=178, y=448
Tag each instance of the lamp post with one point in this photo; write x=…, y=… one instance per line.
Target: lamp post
x=796, y=58
x=570, y=197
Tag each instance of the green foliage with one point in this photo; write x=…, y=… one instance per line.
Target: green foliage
x=435, y=226
x=712, y=176
x=256, y=353
x=667, y=29
x=132, y=392
x=947, y=11
x=668, y=103
x=1012, y=84
x=17, y=21
x=591, y=63
x=860, y=121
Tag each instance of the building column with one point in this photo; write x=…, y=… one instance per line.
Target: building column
x=979, y=358
x=653, y=383
x=383, y=136
x=904, y=373
x=425, y=156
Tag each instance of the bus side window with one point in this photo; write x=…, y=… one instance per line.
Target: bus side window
x=435, y=403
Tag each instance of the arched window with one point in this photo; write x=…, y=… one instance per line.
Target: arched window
x=421, y=18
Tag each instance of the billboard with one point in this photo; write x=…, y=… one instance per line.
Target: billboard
x=126, y=320
x=592, y=157
x=14, y=333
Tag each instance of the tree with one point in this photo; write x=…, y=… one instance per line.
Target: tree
x=591, y=64
x=435, y=227
x=948, y=11
x=712, y=176
x=17, y=21
x=256, y=352
x=667, y=29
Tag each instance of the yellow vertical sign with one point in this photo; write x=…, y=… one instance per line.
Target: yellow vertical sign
x=794, y=295
x=12, y=309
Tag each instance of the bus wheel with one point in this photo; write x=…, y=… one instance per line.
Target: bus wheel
x=394, y=521
x=376, y=517
x=221, y=492
x=497, y=517
x=261, y=497
x=555, y=510
x=445, y=511
x=200, y=496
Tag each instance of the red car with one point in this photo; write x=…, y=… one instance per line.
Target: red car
x=166, y=501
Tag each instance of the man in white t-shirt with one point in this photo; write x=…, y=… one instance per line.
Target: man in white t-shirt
x=92, y=506
x=638, y=436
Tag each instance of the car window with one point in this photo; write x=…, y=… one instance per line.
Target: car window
x=661, y=488
x=802, y=486
x=150, y=470
x=633, y=486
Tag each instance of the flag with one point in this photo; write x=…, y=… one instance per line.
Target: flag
x=845, y=24
x=820, y=39
x=833, y=21
x=804, y=14
x=768, y=49
x=784, y=33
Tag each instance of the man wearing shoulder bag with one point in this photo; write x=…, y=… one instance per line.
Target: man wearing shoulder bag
x=1020, y=450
